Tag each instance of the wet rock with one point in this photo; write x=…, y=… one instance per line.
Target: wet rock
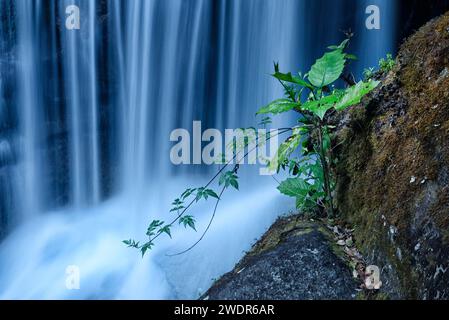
x=295, y=260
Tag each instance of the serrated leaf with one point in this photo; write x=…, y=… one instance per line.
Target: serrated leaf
x=177, y=208
x=294, y=187
x=188, y=221
x=229, y=178
x=278, y=106
x=165, y=229
x=205, y=193
x=145, y=247
x=187, y=193
x=211, y=193
x=131, y=243
x=354, y=94
x=327, y=69
x=153, y=226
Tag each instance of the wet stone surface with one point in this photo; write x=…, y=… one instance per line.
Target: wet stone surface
x=302, y=265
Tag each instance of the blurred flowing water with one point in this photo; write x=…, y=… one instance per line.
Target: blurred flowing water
x=85, y=119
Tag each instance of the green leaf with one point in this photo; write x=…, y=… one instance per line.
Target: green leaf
x=153, y=226
x=145, y=247
x=234, y=184
x=327, y=69
x=188, y=221
x=278, y=106
x=177, y=208
x=212, y=193
x=156, y=223
x=351, y=57
x=177, y=205
x=285, y=150
x=187, y=193
x=288, y=77
x=320, y=107
x=131, y=243
x=229, y=178
x=205, y=193
x=368, y=73
x=299, y=202
x=294, y=187
x=386, y=65
x=165, y=229
x=341, y=46
x=354, y=94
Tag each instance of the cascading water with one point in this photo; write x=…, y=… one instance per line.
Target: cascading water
x=29, y=104
x=85, y=120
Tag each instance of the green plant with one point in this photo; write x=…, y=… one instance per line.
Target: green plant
x=313, y=96
x=369, y=73
x=306, y=155
x=387, y=64
x=181, y=205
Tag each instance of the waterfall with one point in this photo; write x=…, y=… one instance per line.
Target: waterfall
x=29, y=104
x=93, y=133
x=85, y=119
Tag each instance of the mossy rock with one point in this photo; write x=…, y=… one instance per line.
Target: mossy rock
x=393, y=169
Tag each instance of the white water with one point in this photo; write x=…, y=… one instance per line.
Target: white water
x=168, y=63
x=44, y=247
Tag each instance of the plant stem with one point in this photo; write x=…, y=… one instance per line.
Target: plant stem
x=326, y=173
x=281, y=131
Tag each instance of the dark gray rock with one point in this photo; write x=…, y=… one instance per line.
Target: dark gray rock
x=302, y=266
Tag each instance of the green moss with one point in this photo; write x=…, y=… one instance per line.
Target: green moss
x=372, y=295
x=387, y=148
x=283, y=227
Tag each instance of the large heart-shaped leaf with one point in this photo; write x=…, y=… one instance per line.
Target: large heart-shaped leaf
x=327, y=69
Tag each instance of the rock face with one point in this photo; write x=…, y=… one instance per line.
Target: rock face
x=295, y=260
x=393, y=169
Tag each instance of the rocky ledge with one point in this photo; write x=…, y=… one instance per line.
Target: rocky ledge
x=295, y=260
